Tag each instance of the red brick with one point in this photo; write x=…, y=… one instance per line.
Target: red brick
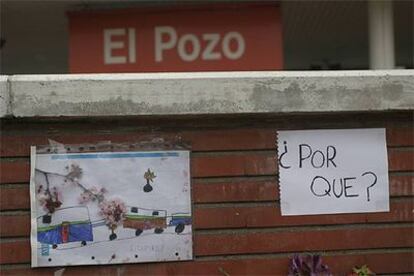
x=269, y=216
x=246, y=164
x=400, y=160
x=201, y=140
x=403, y=136
x=13, y=198
x=14, y=171
x=316, y=240
x=15, y=252
x=235, y=191
x=14, y=225
x=402, y=185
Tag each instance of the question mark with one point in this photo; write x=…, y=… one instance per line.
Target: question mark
x=375, y=182
x=281, y=156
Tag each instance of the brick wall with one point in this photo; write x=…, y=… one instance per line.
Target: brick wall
x=237, y=221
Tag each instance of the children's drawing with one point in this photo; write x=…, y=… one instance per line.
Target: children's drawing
x=86, y=208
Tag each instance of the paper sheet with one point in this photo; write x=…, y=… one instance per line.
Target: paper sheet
x=333, y=171
x=110, y=207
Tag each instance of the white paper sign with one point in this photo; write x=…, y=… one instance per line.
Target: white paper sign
x=110, y=207
x=333, y=171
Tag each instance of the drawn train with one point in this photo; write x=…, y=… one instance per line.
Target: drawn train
x=73, y=224
x=142, y=219
x=66, y=225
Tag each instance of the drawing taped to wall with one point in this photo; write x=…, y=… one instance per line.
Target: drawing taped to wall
x=110, y=207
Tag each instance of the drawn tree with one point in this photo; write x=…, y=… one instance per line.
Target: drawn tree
x=113, y=212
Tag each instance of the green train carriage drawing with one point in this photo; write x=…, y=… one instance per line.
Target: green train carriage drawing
x=142, y=219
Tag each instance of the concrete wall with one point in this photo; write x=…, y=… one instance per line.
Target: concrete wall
x=206, y=93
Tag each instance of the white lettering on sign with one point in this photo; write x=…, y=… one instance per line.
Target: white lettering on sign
x=183, y=53
x=189, y=47
x=161, y=45
x=209, y=52
x=333, y=171
x=166, y=38
x=110, y=44
x=240, y=45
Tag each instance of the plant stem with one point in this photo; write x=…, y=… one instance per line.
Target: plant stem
x=66, y=177
x=50, y=173
x=47, y=185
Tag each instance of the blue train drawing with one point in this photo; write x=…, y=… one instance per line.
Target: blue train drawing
x=180, y=220
x=66, y=225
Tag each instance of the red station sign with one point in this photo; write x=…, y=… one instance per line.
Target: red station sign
x=231, y=38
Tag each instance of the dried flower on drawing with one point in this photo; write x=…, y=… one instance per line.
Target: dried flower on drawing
x=74, y=172
x=49, y=198
x=92, y=194
x=113, y=212
x=149, y=177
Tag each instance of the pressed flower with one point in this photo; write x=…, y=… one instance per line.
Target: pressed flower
x=113, y=212
x=75, y=172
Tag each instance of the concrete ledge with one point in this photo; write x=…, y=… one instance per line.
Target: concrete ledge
x=4, y=97
x=205, y=93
